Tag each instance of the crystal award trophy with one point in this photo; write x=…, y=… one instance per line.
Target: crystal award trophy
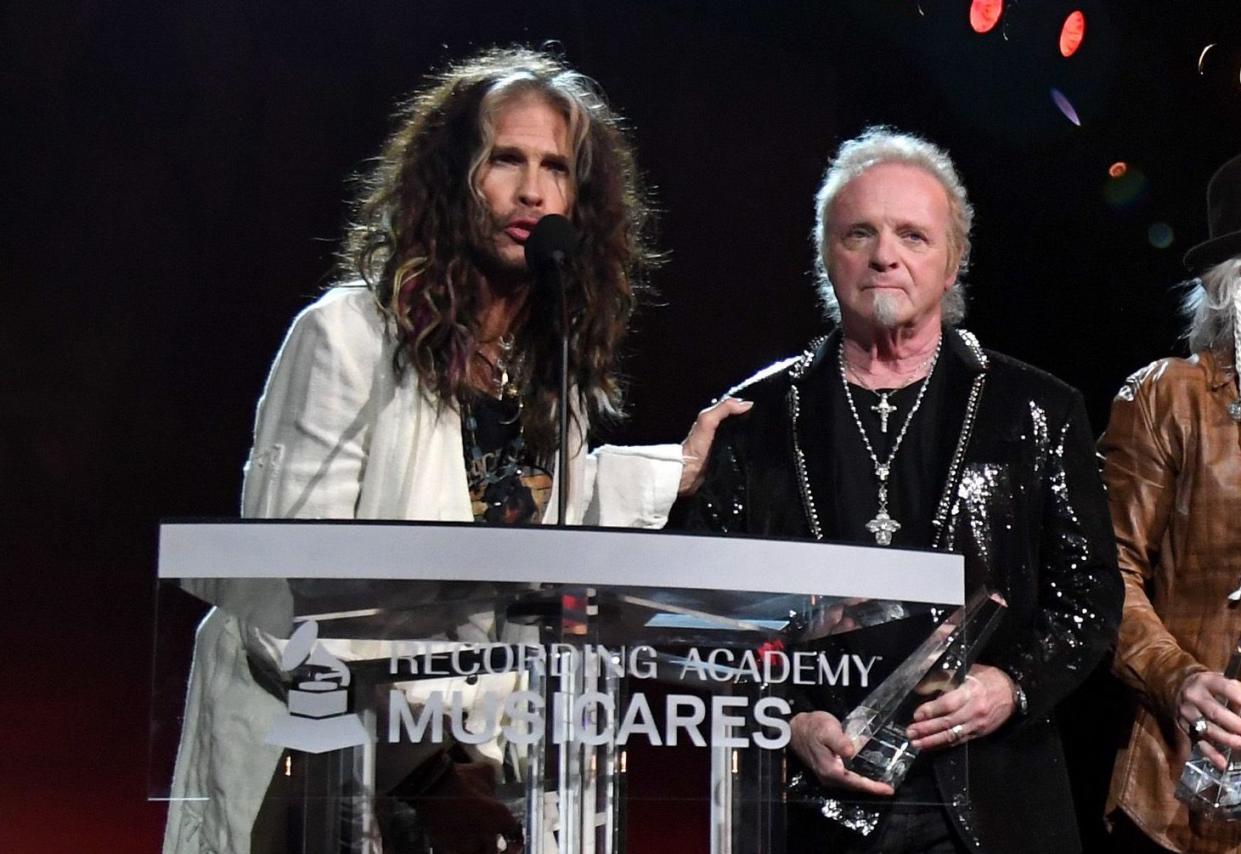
x=1204, y=788
x=877, y=726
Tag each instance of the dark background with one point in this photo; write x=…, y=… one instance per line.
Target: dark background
x=173, y=186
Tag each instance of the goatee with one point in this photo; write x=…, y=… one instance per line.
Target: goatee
x=887, y=310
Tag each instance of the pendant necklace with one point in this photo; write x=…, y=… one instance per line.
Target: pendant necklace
x=884, y=526
x=884, y=407
x=506, y=385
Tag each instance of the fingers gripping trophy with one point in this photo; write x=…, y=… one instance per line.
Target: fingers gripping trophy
x=1211, y=779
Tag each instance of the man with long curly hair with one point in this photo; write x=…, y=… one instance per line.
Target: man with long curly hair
x=425, y=386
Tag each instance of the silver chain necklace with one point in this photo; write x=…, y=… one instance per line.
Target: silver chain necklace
x=884, y=526
x=884, y=407
x=504, y=384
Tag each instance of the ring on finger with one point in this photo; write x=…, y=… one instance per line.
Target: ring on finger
x=1198, y=729
x=955, y=733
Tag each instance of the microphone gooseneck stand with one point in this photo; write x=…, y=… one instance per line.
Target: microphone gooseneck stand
x=562, y=467
x=551, y=242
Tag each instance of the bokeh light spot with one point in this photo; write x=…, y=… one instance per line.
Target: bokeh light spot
x=1118, y=169
x=1160, y=235
x=1126, y=193
x=985, y=14
x=1072, y=33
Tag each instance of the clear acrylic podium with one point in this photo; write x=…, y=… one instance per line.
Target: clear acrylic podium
x=434, y=680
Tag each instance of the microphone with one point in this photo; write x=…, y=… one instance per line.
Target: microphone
x=551, y=242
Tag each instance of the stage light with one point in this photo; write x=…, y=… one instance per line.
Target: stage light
x=1202, y=56
x=1219, y=67
x=985, y=14
x=1072, y=33
x=1062, y=103
x=1118, y=169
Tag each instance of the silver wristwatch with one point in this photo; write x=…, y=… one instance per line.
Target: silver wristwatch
x=1019, y=697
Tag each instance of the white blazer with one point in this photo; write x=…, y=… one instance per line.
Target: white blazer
x=339, y=435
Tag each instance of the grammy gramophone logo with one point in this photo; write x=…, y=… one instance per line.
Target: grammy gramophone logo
x=318, y=717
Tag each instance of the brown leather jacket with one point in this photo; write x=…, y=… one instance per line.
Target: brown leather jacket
x=1173, y=472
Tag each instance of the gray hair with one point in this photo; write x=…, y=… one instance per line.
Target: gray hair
x=878, y=145
x=1210, y=307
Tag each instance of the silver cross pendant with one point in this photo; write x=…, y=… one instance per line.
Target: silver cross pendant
x=884, y=409
x=883, y=527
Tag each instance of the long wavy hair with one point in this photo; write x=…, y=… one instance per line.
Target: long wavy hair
x=419, y=225
x=874, y=146
x=1209, y=307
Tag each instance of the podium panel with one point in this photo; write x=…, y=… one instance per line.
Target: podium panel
x=414, y=687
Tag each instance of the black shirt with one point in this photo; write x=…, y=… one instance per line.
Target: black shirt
x=507, y=487
x=918, y=471
x=917, y=477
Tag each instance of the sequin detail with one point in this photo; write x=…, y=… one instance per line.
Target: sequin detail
x=805, y=789
x=943, y=530
x=976, y=494
x=963, y=811
x=728, y=515
x=799, y=457
x=855, y=818
x=1019, y=497
x=1042, y=435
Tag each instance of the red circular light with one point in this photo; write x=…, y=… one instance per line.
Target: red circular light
x=1072, y=33
x=1118, y=169
x=985, y=14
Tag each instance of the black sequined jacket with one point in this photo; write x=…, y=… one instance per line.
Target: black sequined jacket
x=1023, y=503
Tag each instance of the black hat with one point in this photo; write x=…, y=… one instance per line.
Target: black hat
x=1223, y=219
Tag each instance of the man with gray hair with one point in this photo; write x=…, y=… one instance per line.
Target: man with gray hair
x=899, y=429
x=1173, y=470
